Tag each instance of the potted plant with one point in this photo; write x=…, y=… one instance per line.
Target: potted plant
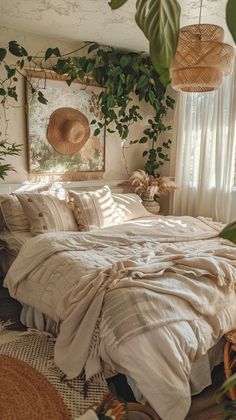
x=150, y=188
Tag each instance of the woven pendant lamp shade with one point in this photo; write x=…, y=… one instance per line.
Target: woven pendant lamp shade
x=202, y=59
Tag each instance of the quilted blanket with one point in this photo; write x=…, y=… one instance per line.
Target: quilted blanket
x=138, y=276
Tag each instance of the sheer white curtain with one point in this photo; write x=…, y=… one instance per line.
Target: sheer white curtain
x=203, y=152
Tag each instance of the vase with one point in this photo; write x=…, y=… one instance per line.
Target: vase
x=150, y=204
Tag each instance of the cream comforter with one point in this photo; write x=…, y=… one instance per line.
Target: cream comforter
x=141, y=275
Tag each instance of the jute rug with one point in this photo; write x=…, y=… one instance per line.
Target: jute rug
x=36, y=349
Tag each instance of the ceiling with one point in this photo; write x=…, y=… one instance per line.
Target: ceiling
x=93, y=20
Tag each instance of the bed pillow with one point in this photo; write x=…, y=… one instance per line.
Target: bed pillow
x=94, y=209
x=13, y=217
x=47, y=213
x=229, y=232
x=130, y=206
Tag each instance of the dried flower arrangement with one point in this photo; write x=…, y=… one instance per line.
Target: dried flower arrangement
x=142, y=183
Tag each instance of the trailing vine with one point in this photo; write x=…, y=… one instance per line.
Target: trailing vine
x=120, y=74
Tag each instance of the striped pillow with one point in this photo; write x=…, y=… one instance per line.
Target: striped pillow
x=94, y=209
x=47, y=213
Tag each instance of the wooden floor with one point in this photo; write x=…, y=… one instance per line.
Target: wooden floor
x=203, y=406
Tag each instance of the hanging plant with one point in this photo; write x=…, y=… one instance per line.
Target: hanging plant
x=120, y=74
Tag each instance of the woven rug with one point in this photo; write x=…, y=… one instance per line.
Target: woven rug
x=26, y=394
x=36, y=349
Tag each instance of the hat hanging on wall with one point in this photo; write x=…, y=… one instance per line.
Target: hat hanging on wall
x=68, y=130
x=202, y=59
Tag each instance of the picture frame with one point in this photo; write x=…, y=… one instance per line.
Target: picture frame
x=43, y=159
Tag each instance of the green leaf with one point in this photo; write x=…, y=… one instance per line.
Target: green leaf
x=124, y=61
x=15, y=49
x=119, y=90
x=151, y=96
x=12, y=92
x=96, y=132
x=3, y=53
x=145, y=153
x=24, y=52
x=129, y=82
x=159, y=21
x=89, y=67
x=115, y=4
x=56, y=52
x=81, y=74
x=229, y=232
x=2, y=92
x=143, y=140
x=10, y=71
x=41, y=98
x=21, y=64
x=48, y=53
x=231, y=17
x=69, y=81
x=142, y=82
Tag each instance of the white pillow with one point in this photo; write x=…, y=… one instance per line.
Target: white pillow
x=94, y=209
x=47, y=213
x=12, y=215
x=129, y=206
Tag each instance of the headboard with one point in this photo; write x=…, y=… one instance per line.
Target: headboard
x=73, y=185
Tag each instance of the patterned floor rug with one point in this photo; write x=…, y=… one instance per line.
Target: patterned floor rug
x=36, y=349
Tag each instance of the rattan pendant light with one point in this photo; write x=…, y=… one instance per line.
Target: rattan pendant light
x=202, y=59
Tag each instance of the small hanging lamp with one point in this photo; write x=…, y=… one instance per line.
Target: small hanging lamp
x=202, y=59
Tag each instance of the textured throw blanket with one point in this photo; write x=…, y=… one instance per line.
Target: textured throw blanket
x=139, y=276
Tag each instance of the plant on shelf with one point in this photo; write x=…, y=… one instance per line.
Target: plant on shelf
x=7, y=149
x=122, y=75
x=143, y=184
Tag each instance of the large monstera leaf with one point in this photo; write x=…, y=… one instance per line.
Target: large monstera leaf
x=159, y=21
x=231, y=17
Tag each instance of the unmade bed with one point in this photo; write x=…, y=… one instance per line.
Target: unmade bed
x=150, y=298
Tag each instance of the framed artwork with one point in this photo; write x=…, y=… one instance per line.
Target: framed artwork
x=60, y=137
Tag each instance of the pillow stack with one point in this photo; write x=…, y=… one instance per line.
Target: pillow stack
x=41, y=212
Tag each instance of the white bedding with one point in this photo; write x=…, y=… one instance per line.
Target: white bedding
x=13, y=241
x=70, y=277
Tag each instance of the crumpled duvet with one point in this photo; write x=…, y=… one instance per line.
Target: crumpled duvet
x=141, y=275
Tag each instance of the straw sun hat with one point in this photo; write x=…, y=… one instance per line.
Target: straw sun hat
x=68, y=130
